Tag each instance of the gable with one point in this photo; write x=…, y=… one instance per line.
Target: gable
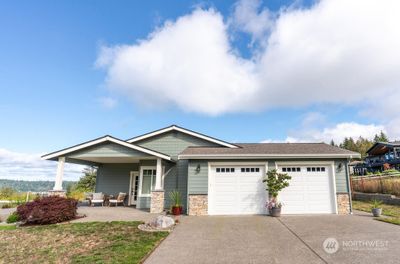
x=174, y=142
x=107, y=150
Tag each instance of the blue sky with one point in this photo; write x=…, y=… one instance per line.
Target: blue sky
x=69, y=72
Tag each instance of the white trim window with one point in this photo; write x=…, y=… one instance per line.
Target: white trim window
x=147, y=180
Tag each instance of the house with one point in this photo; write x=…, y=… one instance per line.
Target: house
x=379, y=154
x=215, y=177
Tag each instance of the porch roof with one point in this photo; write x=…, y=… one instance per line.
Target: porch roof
x=147, y=153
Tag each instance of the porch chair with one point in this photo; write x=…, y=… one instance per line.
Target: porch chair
x=120, y=199
x=98, y=198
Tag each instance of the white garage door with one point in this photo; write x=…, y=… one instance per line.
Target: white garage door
x=236, y=190
x=310, y=189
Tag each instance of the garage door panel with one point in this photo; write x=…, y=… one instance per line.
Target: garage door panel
x=237, y=192
x=308, y=191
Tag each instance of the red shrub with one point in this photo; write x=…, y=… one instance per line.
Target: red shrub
x=48, y=210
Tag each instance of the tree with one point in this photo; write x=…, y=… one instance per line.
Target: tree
x=87, y=182
x=333, y=143
x=276, y=182
x=382, y=137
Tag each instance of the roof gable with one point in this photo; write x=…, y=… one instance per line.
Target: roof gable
x=182, y=130
x=100, y=141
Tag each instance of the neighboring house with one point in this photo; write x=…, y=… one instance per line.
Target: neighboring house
x=214, y=177
x=379, y=154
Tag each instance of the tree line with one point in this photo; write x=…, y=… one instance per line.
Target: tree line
x=361, y=145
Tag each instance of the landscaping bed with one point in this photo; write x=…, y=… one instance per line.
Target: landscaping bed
x=93, y=242
x=391, y=211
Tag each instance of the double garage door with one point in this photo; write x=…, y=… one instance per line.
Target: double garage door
x=238, y=189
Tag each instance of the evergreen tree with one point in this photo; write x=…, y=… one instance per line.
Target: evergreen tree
x=333, y=143
x=87, y=182
x=382, y=137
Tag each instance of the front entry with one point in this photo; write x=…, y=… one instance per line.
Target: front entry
x=133, y=187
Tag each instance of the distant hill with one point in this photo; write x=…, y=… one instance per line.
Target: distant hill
x=31, y=186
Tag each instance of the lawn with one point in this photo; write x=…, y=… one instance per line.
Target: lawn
x=393, y=211
x=94, y=242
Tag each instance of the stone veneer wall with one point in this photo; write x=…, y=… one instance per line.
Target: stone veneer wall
x=198, y=204
x=60, y=193
x=343, y=203
x=157, y=202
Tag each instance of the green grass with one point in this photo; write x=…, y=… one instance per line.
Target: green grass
x=393, y=211
x=388, y=210
x=7, y=227
x=395, y=221
x=94, y=242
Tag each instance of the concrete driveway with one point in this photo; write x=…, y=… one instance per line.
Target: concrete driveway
x=289, y=239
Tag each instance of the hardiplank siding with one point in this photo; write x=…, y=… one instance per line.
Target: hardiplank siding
x=108, y=150
x=114, y=178
x=173, y=143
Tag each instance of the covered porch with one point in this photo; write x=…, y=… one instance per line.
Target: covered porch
x=121, y=167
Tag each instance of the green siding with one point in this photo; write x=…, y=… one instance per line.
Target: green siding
x=198, y=182
x=172, y=144
x=108, y=150
x=114, y=178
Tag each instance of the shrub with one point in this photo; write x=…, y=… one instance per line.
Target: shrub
x=7, y=205
x=48, y=210
x=13, y=218
x=77, y=195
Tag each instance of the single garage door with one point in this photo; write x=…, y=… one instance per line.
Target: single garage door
x=310, y=189
x=236, y=190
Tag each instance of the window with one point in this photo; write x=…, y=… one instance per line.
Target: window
x=316, y=169
x=253, y=169
x=224, y=170
x=148, y=181
x=291, y=169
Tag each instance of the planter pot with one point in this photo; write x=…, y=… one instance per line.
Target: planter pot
x=176, y=210
x=376, y=212
x=275, y=212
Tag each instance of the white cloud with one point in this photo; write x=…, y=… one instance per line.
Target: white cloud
x=250, y=18
x=23, y=166
x=337, y=51
x=108, y=102
x=337, y=133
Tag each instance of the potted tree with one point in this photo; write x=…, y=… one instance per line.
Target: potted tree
x=376, y=208
x=275, y=182
x=176, y=208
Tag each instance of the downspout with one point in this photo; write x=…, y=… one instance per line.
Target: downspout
x=348, y=184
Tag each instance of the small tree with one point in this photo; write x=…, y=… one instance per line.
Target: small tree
x=276, y=182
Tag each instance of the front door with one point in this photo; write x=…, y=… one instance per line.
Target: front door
x=133, y=187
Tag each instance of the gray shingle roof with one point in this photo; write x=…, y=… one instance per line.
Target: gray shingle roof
x=271, y=149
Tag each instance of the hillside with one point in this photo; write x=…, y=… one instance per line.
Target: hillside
x=33, y=186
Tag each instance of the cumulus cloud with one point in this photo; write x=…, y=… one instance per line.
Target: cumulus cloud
x=23, y=166
x=336, y=51
x=337, y=133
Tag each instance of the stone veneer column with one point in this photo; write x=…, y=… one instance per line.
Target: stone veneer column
x=60, y=193
x=343, y=203
x=157, y=202
x=198, y=204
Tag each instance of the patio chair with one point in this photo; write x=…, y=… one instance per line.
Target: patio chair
x=97, y=198
x=120, y=199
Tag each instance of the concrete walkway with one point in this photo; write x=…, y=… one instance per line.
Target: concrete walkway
x=106, y=213
x=289, y=239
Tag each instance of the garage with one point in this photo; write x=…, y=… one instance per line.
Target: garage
x=236, y=189
x=311, y=189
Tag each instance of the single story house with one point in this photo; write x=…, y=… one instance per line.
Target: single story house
x=215, y=177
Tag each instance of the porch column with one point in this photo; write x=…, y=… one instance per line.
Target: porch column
x=158, y=185
x=59, y=175
x=157, y=196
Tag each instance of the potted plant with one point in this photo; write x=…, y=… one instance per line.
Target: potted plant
x=176, y=208
x=275, y=182
x=376, y=208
